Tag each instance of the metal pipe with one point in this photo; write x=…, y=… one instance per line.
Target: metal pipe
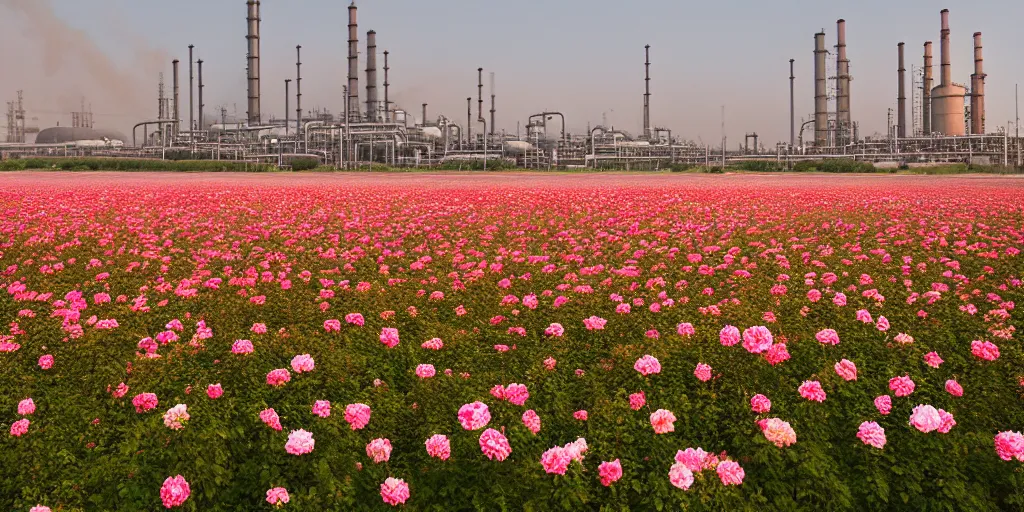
x=253, y=71
x=469, y=121
x=792, y=106
x=201, y=105
x=287, y=81
x=843, y=118
x=371, y=76
x=978, y=90
x=926, y=112
x=191, y=87
x=820, y=98
x=298, y=90
x=647, y=92
x=901, y=97
x=177, y=109
x=387, y=102
x=544, y=115
x=947, y=72
x=352, y=107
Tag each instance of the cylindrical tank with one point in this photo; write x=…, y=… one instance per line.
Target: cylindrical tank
x=633, y=143
x=948, y=109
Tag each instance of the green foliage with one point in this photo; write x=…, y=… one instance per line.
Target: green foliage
x=304, y=163
x=231, y=459
x=836, y=165
x=759, y=166
x=493, y=164
x=130, y=164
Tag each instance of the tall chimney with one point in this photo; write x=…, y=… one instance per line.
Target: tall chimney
x=947, y=71
x=978, y=90
x=298, y=89
x=387, y=102
x=160, y=100
x=371, y=76
x=191, y=89
x=253, y=38
x=647, y=92
x=177, y=108
x=480, y=93
x=947, y=98
x=201, y=105
x=843, y=124
x=792, y=106
x=469, y=121
x=901, y=98
x=492, y=104
x=820, y=98
x=424, y=121
x=353, y=64
x=926, y=97
x=287, y=96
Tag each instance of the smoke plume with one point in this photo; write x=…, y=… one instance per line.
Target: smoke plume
x=58, y=66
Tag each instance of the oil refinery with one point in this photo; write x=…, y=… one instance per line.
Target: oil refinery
x=947, y=122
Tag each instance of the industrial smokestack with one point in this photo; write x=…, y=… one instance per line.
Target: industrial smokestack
x=177, y=108
x=253, y=39
x=480, y=93
x=352, y=109
x=947, y=71
x=843, y=119
x=492, y=104
x=424, y=122
x=792, y=106
x=820, y=98
x=201, y=105
x=469, y=121
x=926, y=112
x=978, y=90
x=298, y=89
x=947, y=98
x=371, y=76
x=387, y=102
x=647, y=91
x=191, y=88
x=901, y=97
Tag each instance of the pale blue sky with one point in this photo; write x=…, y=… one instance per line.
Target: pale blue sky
x=582, y=57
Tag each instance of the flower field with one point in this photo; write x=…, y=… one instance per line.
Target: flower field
x=510, y=342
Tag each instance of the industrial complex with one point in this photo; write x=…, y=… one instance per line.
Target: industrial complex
x=947, y=121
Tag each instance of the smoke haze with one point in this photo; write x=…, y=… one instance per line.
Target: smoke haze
x=58, y=66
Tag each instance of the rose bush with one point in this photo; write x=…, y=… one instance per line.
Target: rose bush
x=533, y=346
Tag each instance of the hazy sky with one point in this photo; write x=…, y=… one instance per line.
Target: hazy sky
x=580, y=57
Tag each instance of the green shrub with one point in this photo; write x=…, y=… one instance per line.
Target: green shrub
x=131, y=164
x=304, y=163
x=760, y=166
